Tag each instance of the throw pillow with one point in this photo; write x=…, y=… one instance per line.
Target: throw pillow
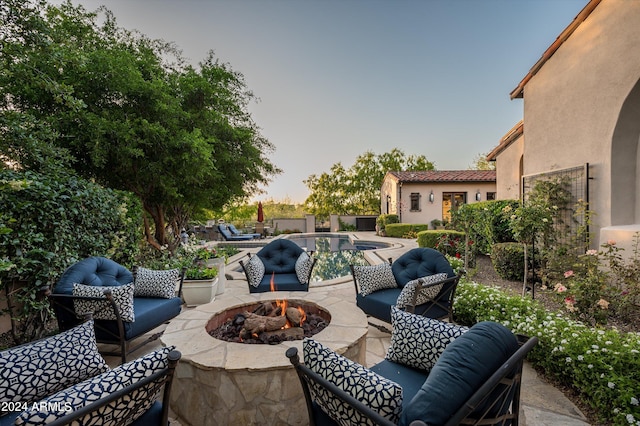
x=464, y=366
x=124, y=410
x=372, y=278
x=255, y=270
x=122, y=296
x=303, y=267
x=376, y=392
x=151, y=283
x=419, y=341
x=33, y=371
x=406, y=295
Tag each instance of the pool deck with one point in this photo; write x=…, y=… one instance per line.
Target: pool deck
x=541, y=403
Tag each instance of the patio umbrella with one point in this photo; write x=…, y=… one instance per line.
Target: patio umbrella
x=260, y=212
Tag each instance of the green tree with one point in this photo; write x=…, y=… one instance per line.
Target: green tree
x=480, y=162
x=356, y=190
x=125, y=111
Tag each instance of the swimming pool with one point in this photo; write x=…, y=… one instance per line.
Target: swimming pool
x=334, y=253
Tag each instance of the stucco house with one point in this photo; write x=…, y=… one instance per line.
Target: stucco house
x=422, y=196
x=582, y=119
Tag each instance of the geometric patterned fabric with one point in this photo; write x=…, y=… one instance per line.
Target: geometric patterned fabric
x=122, y=411
x=418, y=341
x=33, y=371
x=151, y=283
x=376, y=392
x=406, y=295
x=122, y=296
x=371, y=278
x=303, y=267
x=255, y=270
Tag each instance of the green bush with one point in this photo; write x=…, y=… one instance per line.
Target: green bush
x=430, y=238
x=508, y=260
x=54, y=222
x=602, y=365
x=385, y=219
x=487, y=224
x=402, y=230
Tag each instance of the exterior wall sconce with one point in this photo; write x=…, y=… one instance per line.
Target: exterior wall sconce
x=431, y=197
x=478, y=196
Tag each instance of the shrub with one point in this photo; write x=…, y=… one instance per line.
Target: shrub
x=399, y=230
x=508, y=260
x=602, y=365
x=487, y=224
x=56, y=221
x=431, y=238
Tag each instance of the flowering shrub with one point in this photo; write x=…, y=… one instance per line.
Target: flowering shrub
x=601, y=284
x=602, y=365
x=452, y=245
x=456, y=263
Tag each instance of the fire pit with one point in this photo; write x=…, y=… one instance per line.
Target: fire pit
x=221, y=382
x=270, y=322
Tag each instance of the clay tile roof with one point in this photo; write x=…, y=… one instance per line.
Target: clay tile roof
x=512, y=135
x=446, y=176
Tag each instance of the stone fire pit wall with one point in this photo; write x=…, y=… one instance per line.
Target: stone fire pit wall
x=225, y=383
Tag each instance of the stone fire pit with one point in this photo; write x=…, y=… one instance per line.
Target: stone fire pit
x=220, y=382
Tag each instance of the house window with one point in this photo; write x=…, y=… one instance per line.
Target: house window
x=415, y=202
x=451, y=201
x=491, y=196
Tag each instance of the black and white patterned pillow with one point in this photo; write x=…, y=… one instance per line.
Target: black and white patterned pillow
x=372, y=278
x=406, y=295
x=122, y=296
x=31, y=372
x=303, y=267
x=152, y=283
x=419, y=341
x=121, y=411
x=255, y=270
x=375, y=391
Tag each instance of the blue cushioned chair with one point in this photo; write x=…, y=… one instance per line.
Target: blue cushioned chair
x=227, y=235
x=475, y=381
x=279, y=259
x=414, y=264
x=234, y=231
x=150, y=312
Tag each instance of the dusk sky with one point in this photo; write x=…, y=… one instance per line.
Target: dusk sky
x=338, y=78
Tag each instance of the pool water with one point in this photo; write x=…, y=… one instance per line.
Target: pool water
x=334, y=254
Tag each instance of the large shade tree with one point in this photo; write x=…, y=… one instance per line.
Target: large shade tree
x=126, y=111
x=356, y=190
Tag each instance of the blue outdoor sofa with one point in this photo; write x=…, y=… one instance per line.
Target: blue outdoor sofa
x=120, y=319
x=282, y=260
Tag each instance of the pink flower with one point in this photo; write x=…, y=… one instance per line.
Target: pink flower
x=611, y=242
x=560, y=288
x=592, y=252
x=603, y=304
x=568, y=274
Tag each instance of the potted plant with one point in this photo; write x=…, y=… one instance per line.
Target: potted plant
x=216, y=257
x=200, y=284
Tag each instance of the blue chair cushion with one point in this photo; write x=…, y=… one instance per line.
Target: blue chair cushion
x=283, y=282
x=280, y=256
x=94, y=271
x=462, y=368
x=420, y=262
x=409, y=378
x=378, y=304
x=150, y=312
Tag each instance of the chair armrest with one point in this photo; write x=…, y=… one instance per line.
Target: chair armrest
x=306, y=375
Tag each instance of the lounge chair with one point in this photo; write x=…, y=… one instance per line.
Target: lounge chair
x=235, y=232
x=227, y=235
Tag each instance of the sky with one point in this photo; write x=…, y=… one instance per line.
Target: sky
x=337, y=78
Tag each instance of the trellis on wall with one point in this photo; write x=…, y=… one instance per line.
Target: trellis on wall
x=572, y=185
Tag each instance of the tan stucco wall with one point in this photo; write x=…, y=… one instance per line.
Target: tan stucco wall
x=428, y=211
x=573, y=104
x=508, y=171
